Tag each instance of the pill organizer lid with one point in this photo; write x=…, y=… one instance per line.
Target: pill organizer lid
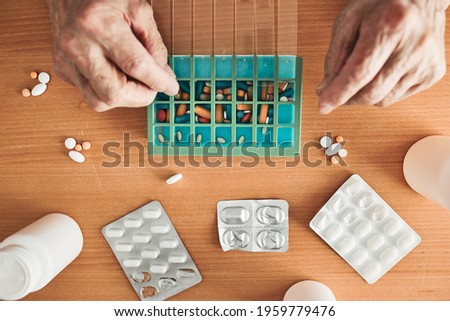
x=18, y=272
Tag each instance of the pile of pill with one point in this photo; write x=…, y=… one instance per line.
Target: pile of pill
x=40, y=88
x=253, y=225
x=364, y=230
x=76, y=148
x=334, y=150
x=151, y=253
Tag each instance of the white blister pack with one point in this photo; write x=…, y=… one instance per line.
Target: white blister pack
x=364, y=230
x=151, y=253
x=253, y=225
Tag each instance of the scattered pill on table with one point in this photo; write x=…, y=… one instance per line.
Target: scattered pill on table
x=333, y=149
x=335, y=160
x=76, y=156
x=326, y=141
x=343, y=153
x=39, y=89
x=33, y=75
x=78, y=147
x=86, y=145
x=339, y=139
x=43, y=77
x=70, y=143
x=174, y=179
x=26, y=92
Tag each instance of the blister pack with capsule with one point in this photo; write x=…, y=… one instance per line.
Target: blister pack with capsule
x=364, y=230
x=151, y=253
x=253, y=225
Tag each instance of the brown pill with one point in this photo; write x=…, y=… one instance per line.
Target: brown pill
x=219, y=113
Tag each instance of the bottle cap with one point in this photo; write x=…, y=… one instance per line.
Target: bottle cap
x=19, y=272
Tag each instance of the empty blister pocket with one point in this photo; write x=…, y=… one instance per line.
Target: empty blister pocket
x=151, y=253
x=253, y=225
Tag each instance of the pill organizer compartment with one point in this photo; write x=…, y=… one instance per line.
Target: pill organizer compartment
x=245, y=104
x=364, y=230
x=253, y=225
x=151, y=253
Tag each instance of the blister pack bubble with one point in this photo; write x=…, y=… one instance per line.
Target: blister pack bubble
x=364, y=230
x=253, y=225
x=151, y=253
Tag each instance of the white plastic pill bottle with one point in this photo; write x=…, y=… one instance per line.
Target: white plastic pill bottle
x=427, y=169
x=32, y=257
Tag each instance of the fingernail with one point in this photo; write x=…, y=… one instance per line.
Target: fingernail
x=169, y=70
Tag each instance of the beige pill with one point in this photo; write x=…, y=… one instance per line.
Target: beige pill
x=241, y=140
x=161, y=138
x=26, y=92
x=335, y=160
x=78, y=147
x=339, y=139
x=86, y=145
x=33, y=74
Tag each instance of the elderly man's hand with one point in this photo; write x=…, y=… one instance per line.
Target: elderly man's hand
x=111, y=50
x=383, y=51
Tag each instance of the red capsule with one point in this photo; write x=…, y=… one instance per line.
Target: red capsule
x=161, y=115
x=202, y=120
x=246, y=118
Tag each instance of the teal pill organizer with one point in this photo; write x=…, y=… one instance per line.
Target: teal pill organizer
x=229, y=106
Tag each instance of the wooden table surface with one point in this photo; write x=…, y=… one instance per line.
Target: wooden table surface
x=36, y=176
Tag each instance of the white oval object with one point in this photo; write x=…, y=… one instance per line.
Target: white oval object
x=241, y=140
x=333, y=149
x=160, y=229
x=70, y=143
x=132, y=222
x=132, y=262
x=199, y=138
x=43, y=77
x=174, y=179
x=76, y=156
x=221, y=140
x=309, y=291
x=161, y=138
x=39, y=89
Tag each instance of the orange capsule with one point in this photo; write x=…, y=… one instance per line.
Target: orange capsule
x=219, y=113
x=263, y=113
x=240, y=93
x=244, y=107
x=227, y=91
x=202, y=112
x=185, y=96
x=181, y=110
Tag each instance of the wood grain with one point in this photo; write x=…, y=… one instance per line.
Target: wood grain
x=36, y=176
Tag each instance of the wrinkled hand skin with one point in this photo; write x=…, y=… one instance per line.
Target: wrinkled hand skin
x=111, y=51
x=383, y=51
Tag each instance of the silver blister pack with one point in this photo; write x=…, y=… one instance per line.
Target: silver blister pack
x=364, y=230
x=151, y=253
x=253, y=225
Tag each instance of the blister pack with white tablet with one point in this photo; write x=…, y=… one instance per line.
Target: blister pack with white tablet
x=151, y=253
x=253, y=225
x=364, y=230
